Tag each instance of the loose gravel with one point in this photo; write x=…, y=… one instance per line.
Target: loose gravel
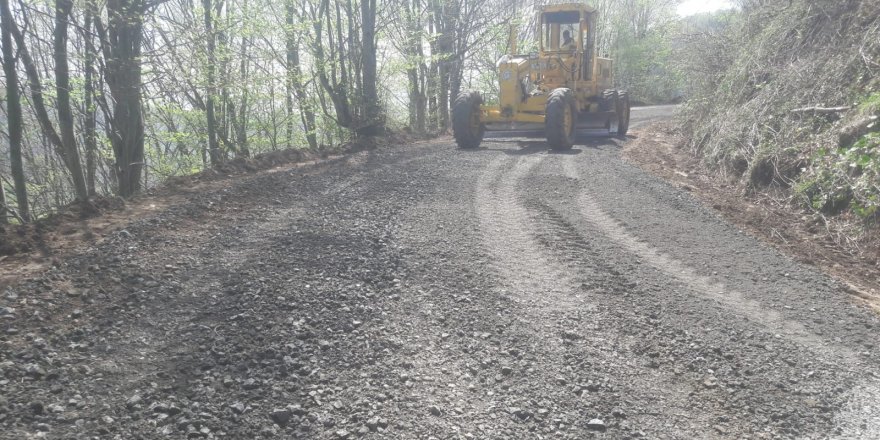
x=421, y=292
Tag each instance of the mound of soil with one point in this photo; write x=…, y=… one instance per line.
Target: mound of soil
x=28, y=249
x=16, y=239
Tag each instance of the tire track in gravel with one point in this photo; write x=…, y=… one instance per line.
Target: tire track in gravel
x=859, y=413
x=729, y=298
x=854, y=413
x=859, y=418
x=524, y=239
x=451, y=322
x=517, y=258
x=707, y=405
x=644, y=382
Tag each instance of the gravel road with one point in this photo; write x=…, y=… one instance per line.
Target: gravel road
x=424, y=292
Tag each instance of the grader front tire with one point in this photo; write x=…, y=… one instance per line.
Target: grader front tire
x=467, y=129
x=560, y=119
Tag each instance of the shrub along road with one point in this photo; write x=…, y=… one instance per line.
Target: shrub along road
x=428, y=292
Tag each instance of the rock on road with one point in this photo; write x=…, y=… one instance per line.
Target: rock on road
x=427, y=292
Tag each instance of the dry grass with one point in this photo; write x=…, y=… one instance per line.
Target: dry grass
x=775, y=57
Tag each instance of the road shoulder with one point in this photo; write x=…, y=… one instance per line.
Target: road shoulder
x=772, y=218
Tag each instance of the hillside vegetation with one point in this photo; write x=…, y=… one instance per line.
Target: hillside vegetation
x=785, y=94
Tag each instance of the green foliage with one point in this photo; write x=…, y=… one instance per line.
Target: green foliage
x=642, y=66
x=845, y=178
x=870, y=104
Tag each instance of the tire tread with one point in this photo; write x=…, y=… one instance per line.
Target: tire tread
x=462, y=109
x=557, y=138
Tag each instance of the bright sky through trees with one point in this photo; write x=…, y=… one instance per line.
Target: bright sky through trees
x=691, y=7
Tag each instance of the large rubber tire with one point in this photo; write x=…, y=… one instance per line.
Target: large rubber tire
x=467, y=129
x=623, y=112
x=608, y=103
x=560, y=119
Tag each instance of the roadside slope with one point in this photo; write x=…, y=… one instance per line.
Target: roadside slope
x=803, y=236
x=784, y=102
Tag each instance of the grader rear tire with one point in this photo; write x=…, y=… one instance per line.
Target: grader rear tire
x=609, y=103
x=623, y=111
x=467, y=129
x=560, y=119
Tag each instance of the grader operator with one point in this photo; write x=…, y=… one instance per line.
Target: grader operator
x=563, y=86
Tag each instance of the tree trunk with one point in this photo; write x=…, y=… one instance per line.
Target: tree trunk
x=213, y=147
x=414, y=72
x=346, y=87
x=291, y=53
x=273, y=136
x=337, y=89
x=89, y=124
x=242, y=120
x=417, y=101
x=443, y=94
x=433, y=77
x=355, y=78
x=121, y=43
x=412, y=90
x=440, y=52
x=294, y=79
x=372, y=110
x=223, y=39
x=455, y=76
x=62, y=90
x=422, y=104
x=70, y=157
x=13, y=113
x=4, y=211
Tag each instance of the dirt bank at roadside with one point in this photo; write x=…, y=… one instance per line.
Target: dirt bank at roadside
x=806, y=237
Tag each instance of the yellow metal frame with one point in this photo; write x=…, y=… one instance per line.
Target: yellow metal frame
x=548, y=66
x=492, y=114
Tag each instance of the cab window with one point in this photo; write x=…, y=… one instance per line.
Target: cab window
x=554, y=26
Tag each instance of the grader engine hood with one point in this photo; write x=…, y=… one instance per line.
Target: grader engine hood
x=511, y=73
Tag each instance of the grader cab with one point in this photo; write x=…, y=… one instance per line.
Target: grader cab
x=554, y=91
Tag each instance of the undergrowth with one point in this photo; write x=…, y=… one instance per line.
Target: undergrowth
x=763, y=88
x=846, y=178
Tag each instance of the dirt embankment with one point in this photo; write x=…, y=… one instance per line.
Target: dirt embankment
x=28, y=249
x=772, y=217
x=786, y=94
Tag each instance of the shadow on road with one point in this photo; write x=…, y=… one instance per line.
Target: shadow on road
x=597, y=142
x=522, y=146
x=527, y=147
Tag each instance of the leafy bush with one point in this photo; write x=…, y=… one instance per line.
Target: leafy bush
x=846, y=178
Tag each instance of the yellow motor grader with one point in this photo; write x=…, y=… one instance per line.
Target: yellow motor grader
x=553, y=92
